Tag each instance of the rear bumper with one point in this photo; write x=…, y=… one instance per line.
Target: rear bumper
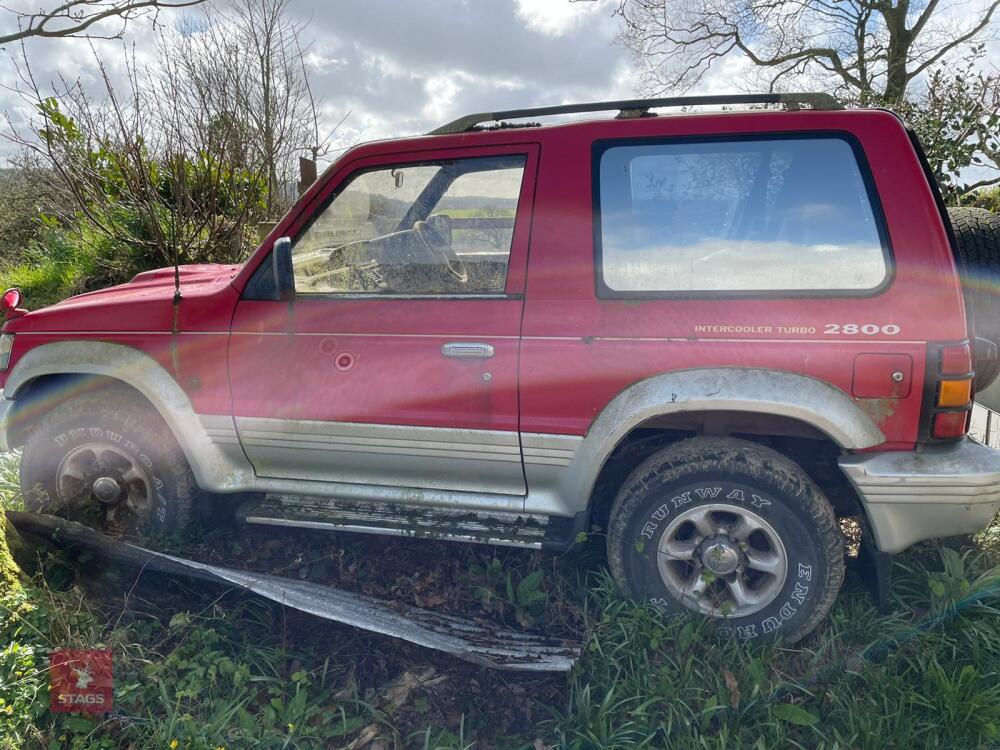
x=6, y=407
x=935, y=492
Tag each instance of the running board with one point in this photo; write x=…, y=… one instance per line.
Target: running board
x=488, y=527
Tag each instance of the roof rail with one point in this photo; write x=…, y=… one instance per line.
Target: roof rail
x=630, y=108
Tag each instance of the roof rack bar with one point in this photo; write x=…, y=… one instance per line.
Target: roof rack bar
x=639, y=107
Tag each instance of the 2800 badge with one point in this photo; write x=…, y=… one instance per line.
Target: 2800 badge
x=868, y=329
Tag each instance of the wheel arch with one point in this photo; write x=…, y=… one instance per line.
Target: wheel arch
x=55, y=372
x=667, y=400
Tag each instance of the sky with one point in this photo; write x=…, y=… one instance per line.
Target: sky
x=402, y=67
x=397, y=68
x=406, y=67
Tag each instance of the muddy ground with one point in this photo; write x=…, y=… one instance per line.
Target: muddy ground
x=470, y=580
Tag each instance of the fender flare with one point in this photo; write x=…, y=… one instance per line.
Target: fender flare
x=762, y=391
x=216, y=459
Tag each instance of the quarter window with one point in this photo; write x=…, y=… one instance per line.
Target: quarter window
x=747, y=215
x=432, y=228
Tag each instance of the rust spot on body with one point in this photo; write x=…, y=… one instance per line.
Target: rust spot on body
x=879, y=409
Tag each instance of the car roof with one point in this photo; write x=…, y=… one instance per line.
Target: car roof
x=633, y=117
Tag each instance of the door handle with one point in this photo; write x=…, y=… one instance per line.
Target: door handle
x=467, y=350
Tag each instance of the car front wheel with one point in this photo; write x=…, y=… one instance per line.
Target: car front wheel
x=108, y=459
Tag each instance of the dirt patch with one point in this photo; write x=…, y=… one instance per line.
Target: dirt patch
x=471, y=580
x=414, y=686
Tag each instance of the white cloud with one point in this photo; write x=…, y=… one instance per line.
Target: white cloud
x=557, y=17
x=441, y=91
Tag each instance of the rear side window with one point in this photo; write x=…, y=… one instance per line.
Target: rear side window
x=740, y=216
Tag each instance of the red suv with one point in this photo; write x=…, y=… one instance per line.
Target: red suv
x=710, y=334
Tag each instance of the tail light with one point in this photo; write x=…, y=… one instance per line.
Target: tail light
x=949, y=390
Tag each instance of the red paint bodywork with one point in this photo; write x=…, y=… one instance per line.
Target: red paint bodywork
x=561, y=353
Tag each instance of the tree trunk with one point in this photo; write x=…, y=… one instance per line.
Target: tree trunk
x=900, y=41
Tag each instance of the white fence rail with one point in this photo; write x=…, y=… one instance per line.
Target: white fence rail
x=985, y=427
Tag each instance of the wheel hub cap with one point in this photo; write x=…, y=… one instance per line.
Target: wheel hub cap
x=722, y=559
x=114, y=479
x=107, y=489
x=721, y=556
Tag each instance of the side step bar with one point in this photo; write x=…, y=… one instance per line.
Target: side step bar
x=489, y=527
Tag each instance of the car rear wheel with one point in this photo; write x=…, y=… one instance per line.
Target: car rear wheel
x=731, y=530
x=108, y=460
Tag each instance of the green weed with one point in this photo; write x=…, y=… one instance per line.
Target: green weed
x=926, y=674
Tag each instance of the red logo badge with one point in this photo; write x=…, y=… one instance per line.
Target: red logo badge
x=81, y=681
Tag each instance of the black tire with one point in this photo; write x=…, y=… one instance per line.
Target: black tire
x=977, y=235
x=130, y=430
x=701, y=475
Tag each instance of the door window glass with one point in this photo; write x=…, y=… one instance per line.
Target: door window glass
x=430, y=228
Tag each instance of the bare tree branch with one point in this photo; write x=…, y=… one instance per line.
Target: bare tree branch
x=77, y=17
x=869, y=48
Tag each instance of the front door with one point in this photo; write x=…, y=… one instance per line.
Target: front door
x=396, y=362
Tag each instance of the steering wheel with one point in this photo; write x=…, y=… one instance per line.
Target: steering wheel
x=441, y=248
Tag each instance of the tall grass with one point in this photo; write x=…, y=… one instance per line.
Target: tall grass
x=209, y=672
x=927, y=675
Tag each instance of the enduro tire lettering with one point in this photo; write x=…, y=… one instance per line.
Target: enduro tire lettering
x=799, y=593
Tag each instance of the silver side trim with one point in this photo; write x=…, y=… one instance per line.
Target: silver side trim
x=549, y=450
x=418, y=458
x=306, y=436
x=935, y=492
x=566, y=491
x=218, y=465
x=219, y=428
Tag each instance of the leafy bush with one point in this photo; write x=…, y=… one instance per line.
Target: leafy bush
x=988, y=199
x=134, y=210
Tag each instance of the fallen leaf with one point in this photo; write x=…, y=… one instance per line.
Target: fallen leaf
x=399, y=690
x=364, y=738
x=734, y=688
